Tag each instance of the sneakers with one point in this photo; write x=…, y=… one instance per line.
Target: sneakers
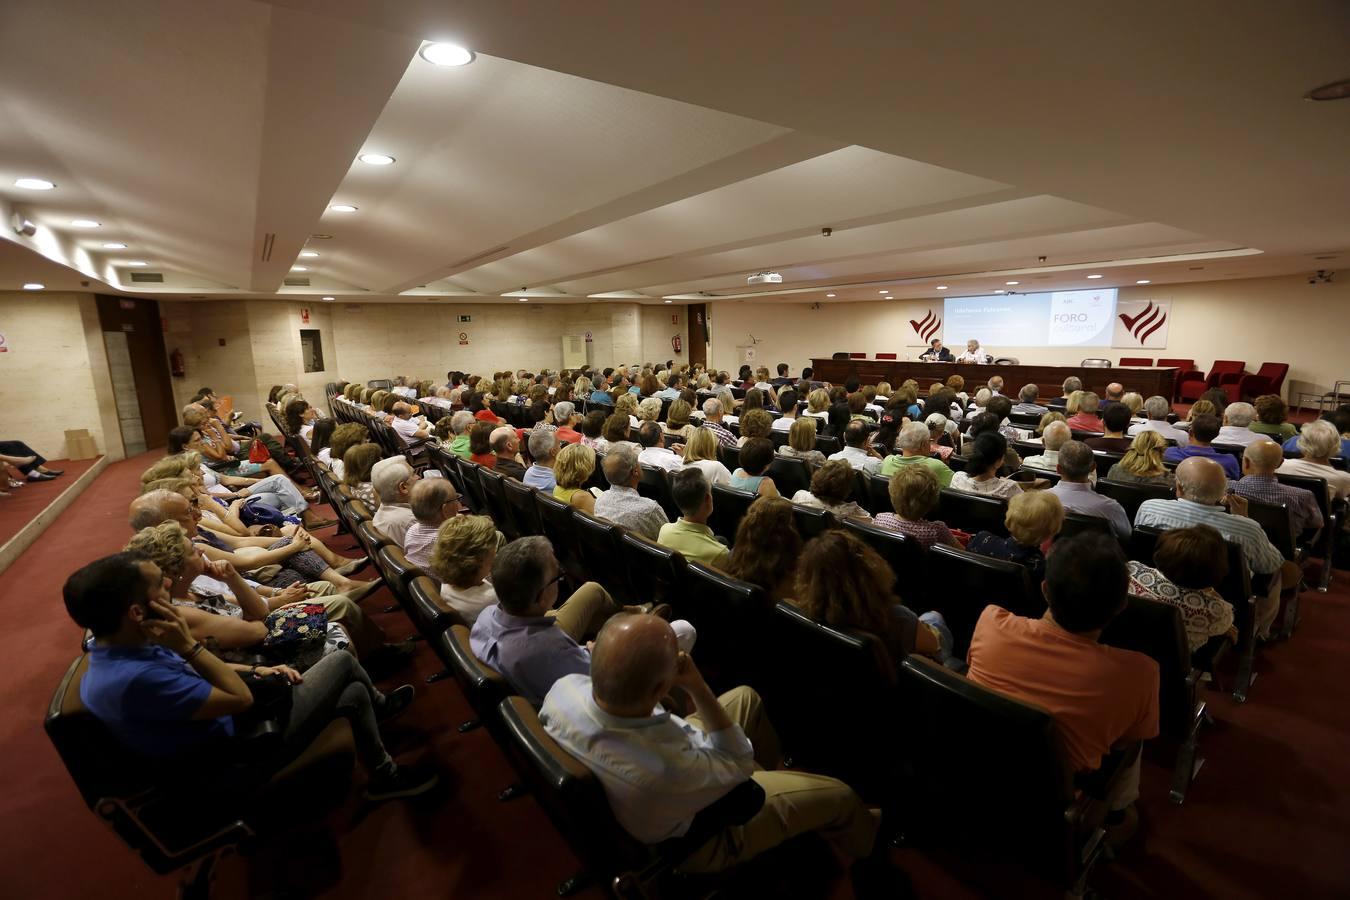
x=395, y=702
x=404, y=781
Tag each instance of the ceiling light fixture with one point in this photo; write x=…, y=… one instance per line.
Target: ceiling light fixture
x=114, y=245
x=84, y=223
x=441, y=54
x=34, y=184
x=668, y=301
x=327, y=299
x=1143, y=281
x=1094, y=276
x=34, y=286
x=342, y=207
x=309, y=254
x=829, y=295
x=1000, y=291
x=299, y=268
x=138, y=263
x=883, y=291
x=1012, y=282
x=376, y=159
x=523, y=299
x=941, y=287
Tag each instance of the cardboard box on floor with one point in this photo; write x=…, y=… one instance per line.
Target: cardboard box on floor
x=80, y=444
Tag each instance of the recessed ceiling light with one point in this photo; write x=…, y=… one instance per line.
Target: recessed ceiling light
x=34, y=184
x=299, y=268
x=883, y=291
x=309, y=254
x=1012, y=282
x=34, y=286
x=114, y=245
x=342, y=207
x=941, y=287
x=445, y=54
x=138, y=263
x=1143, y=281
x=327, y=299
x=829, y=295
x=669, y=301
x=376, y=159
x=1000, y=291
x=84, y=223
x=1094, y=276
x=523, y=299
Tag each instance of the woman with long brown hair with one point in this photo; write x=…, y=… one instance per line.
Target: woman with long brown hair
x=767, y=547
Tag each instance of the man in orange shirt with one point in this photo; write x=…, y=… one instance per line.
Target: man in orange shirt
x=1100, y=696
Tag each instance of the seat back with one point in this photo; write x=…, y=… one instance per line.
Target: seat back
x=601, y=560
x=558, y=521
x=970, y=582
x=1278, y=524
x=473, y=487
x=656, y=573
x=727, y=613
x=729, y=506
x=494, y=498
x=876, y=497
x=1316, y=486
x=371, y=538
x=729, y=457
x=907, y=558
x=524, y=511
x=812, y=520
x=1132, y=496
x=997, y=784
x=428, y=612
x=483, y=685
x=828, y=444
x=790, y=475
x=1136, y=360
x=1156, y=630
x=972, y=512
x=1077, y=523
x=397, y=571
x=655, y=485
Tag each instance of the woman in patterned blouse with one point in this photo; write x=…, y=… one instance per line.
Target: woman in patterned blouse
x=1190, y=562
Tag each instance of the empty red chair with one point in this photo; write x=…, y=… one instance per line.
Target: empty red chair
x=886, y=356
x=1268, y=380
x=1193, y=385
x=857, y=356
x=1183, y=367
x=1135, y=361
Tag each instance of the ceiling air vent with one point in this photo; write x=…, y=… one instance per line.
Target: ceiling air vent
x=268, y=242
x=147, y=278
x=296, y=282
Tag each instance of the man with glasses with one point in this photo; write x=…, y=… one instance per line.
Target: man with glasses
x=393, y=481
x=528, y=641
x=433, y=501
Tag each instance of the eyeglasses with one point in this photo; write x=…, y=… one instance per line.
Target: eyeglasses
x=552, y=581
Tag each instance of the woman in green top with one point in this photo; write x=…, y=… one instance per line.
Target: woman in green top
x=575, y=464
x=1271, y=412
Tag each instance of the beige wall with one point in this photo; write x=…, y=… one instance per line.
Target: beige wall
x=1257, y=320
x=54, y=373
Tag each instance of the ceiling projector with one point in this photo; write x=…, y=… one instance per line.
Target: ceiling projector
x=765, y=278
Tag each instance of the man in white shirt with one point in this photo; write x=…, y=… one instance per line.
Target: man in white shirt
x=622, y=504
x=1056, y=435
x=659, y=770
x=1236, y=430
x=787, y=402
x=855, y=438
x=432, y=500
x=1157, y=408
x=393, y=480
x=1027, y=405
x=1318, y=442
x=407, y=427
x=973, y=353
x=654, y=452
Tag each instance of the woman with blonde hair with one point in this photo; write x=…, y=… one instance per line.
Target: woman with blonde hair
x=1201, y=407
x=843, y=583
x=1033, y=519
x=356, y=465
x=572, y=469
x=462, y=557
x=766, y=548
x=1134, y=401
x=649, y=410
x=755, y=424
x=627, y=405
x=802, y=442
x=677, y=419
x=700, y=451
x=1143, y=462
x=818, y=404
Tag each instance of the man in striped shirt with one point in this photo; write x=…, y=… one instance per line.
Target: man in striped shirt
x=1201, y=500
x=1259, y=462
x=712, y=420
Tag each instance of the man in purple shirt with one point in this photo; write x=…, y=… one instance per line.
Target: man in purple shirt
x=1259, y=462
x=1204, y=429
x=1076, y=494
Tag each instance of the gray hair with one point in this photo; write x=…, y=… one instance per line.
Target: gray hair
x=711, y=407
x=1028, y=393
x=563, y=411
x=982, y=397
x=650, y=409
x=428, y=496
x=542, y=443
x=521, y=572
x=620, y=463
x=1240, y=414
x=1075, y=460
x=913, y=436
x=461, y=421
x=501, y=438
x=1056, y=435
x=147, y=510
x=1157, y=407
x=1089, y=402
x=386, y=475
x=1319, y=440
x=1071, y=384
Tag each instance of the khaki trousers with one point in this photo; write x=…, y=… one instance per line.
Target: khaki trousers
x=794, y=803
x=1268, y=606
x=585, y=611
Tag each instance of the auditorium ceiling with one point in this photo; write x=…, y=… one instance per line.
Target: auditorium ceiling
x=626, y=151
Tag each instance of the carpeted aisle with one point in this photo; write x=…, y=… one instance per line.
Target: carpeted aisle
x=1268, y=815
x=25, y=503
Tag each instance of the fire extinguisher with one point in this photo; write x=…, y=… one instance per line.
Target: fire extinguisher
x=675, y=343
x=176, y=365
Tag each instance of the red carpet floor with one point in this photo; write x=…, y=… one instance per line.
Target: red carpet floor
x=25, y=503
x=1268, y=816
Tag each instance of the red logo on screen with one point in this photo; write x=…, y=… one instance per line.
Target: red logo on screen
x=1149, y=320
x=927, y=326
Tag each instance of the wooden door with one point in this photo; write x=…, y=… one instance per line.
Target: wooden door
x=138, y=321
x=698, y=334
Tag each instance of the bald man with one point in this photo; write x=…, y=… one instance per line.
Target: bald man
x=659, y=770
x=408, y=428
x=1201, y=500
x=1259, y=462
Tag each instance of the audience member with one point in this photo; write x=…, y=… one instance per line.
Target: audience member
x=654, y=452
x=1272, y=418
x=1143, y=462
x=574, y=467
x=543, y=447
x=1056, y=435
x=701, y=454
x=460, y=423
x=433, y=501
x=987, y=455
x=712, y=420
x=480, y=444
x=690, y=534
x=1236, y=430
x=622, y=504
x=393, y=480
x=1075, y=491
x=409, y=429
x=1115, y=422
x=1026, y=402
x=1191, y=563
x=1086, y=418
x=1340, y=420
x=767, y=547
x=914, y=493
x=831, y=487
x=1204, y=429
x=345, y=437
x=1157, y=409
x=1260, y=461
x=1201, y=500
x=756, y=454
x=1033, y=519
x=677, y=420
x=505, y=447
x=1318, y=442
x=1100, y=696
x=802, y=442
x=356, y=466
x=1071, y=385
x=462, y=558
x=916, y=450
x=854, y=452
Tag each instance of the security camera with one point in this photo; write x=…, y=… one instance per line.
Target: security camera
x=1040, y=259
x=826, y=232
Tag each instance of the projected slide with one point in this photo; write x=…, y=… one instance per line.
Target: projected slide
x=1051, y=319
